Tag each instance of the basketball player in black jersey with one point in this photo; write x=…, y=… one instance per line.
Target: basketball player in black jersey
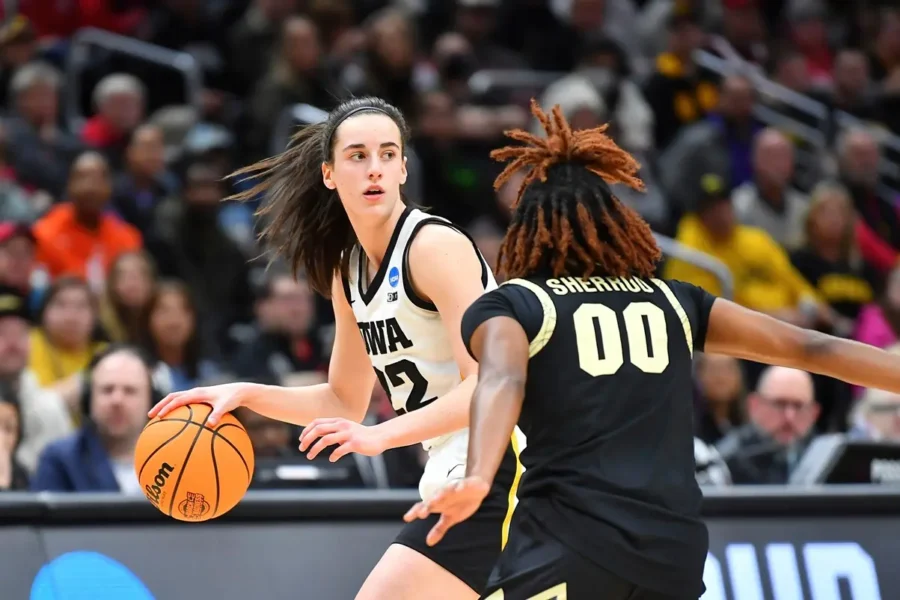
x=591, y=356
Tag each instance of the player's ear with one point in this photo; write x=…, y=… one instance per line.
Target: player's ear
x=327, y=176
x=403, y=173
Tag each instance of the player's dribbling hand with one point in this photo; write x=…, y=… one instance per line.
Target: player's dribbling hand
x=348, y=436
x=455, y=502
x=223, y=398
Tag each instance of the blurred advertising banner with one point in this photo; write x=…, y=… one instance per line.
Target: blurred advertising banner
x=290, y=555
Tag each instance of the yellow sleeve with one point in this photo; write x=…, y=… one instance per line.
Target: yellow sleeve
x=683, y=271
x=782, y=270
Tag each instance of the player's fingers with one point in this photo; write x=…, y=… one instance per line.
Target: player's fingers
x=216, y=415
x=415, y=512
x=315, y=423
x=311, y=434
x=325, y=441
x=180, y=399
x=444, y=499
x=439, y=530
x=343, y=450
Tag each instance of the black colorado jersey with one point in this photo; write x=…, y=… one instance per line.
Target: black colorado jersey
x=607, y=417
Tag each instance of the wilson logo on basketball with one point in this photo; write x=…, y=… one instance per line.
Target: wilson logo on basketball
x=155, y=492
x=194, y=506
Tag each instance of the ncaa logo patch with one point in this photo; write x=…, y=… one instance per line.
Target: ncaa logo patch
x=394, y=276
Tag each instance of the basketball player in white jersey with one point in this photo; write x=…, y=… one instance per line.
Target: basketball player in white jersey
x=399, y=281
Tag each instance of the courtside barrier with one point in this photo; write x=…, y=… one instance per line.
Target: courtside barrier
x=836, y=543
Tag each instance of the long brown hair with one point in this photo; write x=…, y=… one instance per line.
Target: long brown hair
x=566, y=219
x=308, y=226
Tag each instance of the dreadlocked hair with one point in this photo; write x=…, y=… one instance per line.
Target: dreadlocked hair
x=566, y=218
x=306, y=224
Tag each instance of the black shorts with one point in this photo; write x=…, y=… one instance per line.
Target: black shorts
x=470, y=549
x=536, y=565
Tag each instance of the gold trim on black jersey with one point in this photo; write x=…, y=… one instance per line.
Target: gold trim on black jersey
x=679, y=310
x=549, y=323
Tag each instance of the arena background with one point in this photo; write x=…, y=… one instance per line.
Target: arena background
x=780, y=114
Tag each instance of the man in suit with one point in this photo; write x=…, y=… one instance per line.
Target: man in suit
x=99, y=457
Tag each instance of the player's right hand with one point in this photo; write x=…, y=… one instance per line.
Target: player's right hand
x=455, y=502
x=223, y=399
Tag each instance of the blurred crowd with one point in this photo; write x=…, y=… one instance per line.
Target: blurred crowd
x=767, y=130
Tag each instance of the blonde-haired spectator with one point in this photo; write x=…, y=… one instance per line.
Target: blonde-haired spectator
x=829, y=257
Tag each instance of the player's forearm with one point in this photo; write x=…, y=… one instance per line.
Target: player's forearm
x=853, y=362
x=496, y=406
x=300, y=405
x=447, y=414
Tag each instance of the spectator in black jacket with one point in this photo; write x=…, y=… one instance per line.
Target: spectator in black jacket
x=285, y=341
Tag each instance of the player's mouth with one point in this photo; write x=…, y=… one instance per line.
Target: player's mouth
x=374, y=193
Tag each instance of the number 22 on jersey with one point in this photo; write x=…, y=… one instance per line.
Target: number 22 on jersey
x=600, y=347
x=405, y=372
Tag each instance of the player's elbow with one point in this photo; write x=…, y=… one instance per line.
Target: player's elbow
x=352, y=405
x=506, y=383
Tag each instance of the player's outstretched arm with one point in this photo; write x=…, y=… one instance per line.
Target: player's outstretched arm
x=743, y=333
x=346, y=395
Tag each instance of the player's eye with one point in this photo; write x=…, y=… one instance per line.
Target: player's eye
x=389, y=155
x=357, y=156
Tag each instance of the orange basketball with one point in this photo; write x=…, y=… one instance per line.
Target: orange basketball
x=191, y=471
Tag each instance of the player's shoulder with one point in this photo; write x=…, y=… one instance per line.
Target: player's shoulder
x=435, y=238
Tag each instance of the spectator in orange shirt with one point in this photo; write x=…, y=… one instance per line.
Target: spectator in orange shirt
x=80, y=237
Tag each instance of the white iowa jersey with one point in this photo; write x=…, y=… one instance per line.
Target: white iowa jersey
x=404, y=334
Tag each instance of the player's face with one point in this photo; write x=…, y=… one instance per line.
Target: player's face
x=368, y=167
x=120, y=395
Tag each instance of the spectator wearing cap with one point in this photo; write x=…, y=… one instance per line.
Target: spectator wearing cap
x=679, y=92
x=81, y=237
x=764, y=278
x=43, y=413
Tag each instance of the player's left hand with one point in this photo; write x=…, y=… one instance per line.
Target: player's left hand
x=348, y=436
x=455, y=502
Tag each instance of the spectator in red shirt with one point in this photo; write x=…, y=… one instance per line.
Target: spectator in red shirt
x=119, y=100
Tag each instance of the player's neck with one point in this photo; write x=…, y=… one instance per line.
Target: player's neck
x=375, y=240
